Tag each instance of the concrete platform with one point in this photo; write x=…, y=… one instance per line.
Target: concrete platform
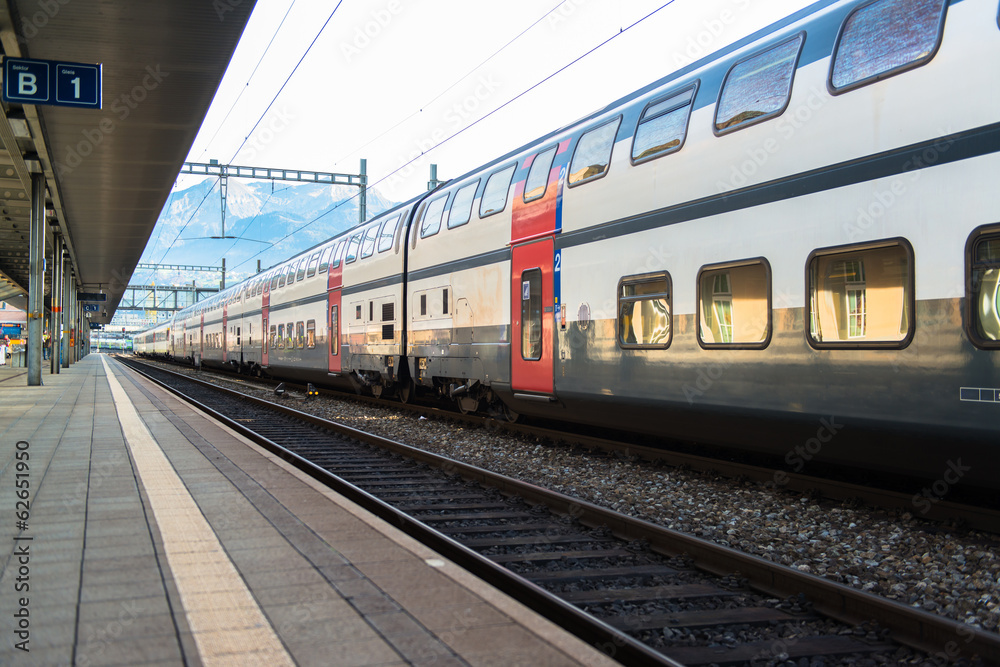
x=156, y=536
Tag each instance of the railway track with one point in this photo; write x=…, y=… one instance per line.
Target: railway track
x=642, y=593
x=969, y=515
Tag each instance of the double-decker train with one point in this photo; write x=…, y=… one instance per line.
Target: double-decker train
x=790, y=246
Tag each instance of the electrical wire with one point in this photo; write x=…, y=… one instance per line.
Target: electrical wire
x=621, y=32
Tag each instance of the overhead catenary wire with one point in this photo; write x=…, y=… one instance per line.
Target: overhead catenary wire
x=333, y=208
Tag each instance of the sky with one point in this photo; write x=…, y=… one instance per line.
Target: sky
x=457, y=83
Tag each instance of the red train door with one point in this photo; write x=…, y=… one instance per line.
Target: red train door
x=334, y=285
x=533, y=265
x=532, y=317
x=265, y=317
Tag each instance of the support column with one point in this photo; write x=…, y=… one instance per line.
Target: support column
x=36, y=281
x=363, y=195
x=55, y=321
x=64, y=320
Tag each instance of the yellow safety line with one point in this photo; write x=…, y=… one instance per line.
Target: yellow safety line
x=229, y=627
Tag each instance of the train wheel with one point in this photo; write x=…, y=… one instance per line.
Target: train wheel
x=509, y=414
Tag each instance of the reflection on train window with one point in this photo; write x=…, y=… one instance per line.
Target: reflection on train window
x=311, y=266
x=357, y=312
x=431, y=223
x=271, y=337
x=324, y=259
x=337, y=254
x=663, y=126
x=387, y=234
x=281, y=336
x=352, y=248
x=734, y=305
x=461, y=205
x=984, y=290
x=884, y=37
x=291, y=275
x=593, y=153
x=531, y=315
x=334, y=330
x=495, y=195
x=368, y=245
x=644, y=311
x=861, y=297
x=300, y=331
x=758, y=87
x=311, y=334
x=300, y=269
x=290, y=332
x=538, y=175
x=281, y=278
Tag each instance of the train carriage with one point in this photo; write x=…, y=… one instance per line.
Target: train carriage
x=791, y=246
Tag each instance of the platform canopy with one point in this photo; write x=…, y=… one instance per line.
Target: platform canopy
x=108, y=172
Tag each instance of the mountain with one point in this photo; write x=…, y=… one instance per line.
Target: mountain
x=272, y=220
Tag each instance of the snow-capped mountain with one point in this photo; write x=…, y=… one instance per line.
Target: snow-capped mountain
x=271, y=220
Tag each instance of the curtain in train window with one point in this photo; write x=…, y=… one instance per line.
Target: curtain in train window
x=985, y=290
x=885, y=37
x=644, y=312
x=531, y=314
x=758, y=87
x=862, y=296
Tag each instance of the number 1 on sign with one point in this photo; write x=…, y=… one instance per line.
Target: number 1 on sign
x=76, y=87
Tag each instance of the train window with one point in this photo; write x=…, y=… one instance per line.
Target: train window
x=311, y=266
x=357, y=312
x=663, y=126
x=423, y=305
x=593, y=153
x=336, y=256
x=281, y=277
x=281, y=336
x=300, y=271
x=861, y=296
x=444, y=301
x=290, y=332
x=301, y=331
x=352, y=248
x=431, y=222
x=531, y=314
x=368, y=242
x=387, y=234
x=538, y=175
x=334, y=330
x=883, y=38
x=983, y=287
x=757, y=88
x=735, y=305
x=290, y=280
x=272, y=334
x=324, y=259
x=644, y=304
x=495, y=195
x=461, y=205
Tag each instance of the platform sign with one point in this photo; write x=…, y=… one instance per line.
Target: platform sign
x=91, y=296
x=52, y=82
x=91, y=308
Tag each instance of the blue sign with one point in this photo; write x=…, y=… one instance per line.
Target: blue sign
x=51, y=82
x=91, y=308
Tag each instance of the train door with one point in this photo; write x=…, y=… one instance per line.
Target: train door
x=201, y=337
x=225, y=325
x=532, y=317
x=334, y=285
x=535, y=220
x=265, y=335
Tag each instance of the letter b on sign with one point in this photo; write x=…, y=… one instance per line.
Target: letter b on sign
x=27, y=84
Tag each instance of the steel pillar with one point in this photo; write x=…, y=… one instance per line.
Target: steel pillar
x=363, y=197
x=64, y=324
x=36, y=281
x=55, y=321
